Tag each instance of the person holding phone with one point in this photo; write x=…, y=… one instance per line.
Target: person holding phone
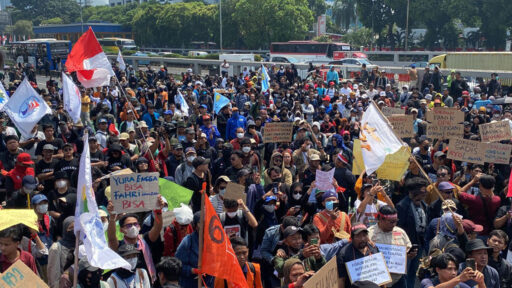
x=478, y=253
x=367, y=205
x=331, y=222
x=445, y=268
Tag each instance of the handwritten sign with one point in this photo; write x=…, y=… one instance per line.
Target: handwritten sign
x=235, y=191
x=388, y=111
x=465, y=150
x=19, y=275
x=493, y=132
x=395, y=256
x=370, y=268
x=11, y=217
x=327, y=276
x=118, y=172
x=402, y=125
x=444, y=123
x=277, y=132
x=134, y=192
x=324, y=179
x=496, y=153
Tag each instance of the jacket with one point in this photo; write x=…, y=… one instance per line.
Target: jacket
x=332, y=75
x=270, y=241
x=149, y=120
x=253, y=276
x=407, y=221
x=236, y=121
x=298, y=160
x=188, y=253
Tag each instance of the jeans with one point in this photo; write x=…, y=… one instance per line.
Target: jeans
x=412, y=268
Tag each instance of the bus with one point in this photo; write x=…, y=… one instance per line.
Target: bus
x=313, y=51
x=38, y=51
x=118, y=43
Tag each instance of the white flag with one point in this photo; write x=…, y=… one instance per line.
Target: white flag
x=3, y=97
x=71, y=98
x=377, y=139
x=26, y=108
x=180, y=99
x=120, y=60
x=88, y=221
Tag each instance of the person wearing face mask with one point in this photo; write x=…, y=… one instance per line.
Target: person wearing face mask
x=237, y=218
x=332, y=223
x=265, y=212
x=201, y=176
x=236, y=121
x=250, y=159
x=179, y=228
x=46, y=231
x=185, y=169
x=20, y=198
x=222, y=162
x=60, y=252
x=240, y=133
x=13, y=178
x=176, y=157
x=277, y=160
x=133, y=278
x=89, y=276
x=61, y=190
x=148, y=244
x=219, y=189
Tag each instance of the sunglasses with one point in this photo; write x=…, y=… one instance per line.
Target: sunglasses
x=442, y=174
x=130, y=225
x=297, y=192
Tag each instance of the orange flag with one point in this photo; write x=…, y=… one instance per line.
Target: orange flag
x=218, y=257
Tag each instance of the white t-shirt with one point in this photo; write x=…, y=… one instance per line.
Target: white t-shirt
x=132, y=282
x=369, y=217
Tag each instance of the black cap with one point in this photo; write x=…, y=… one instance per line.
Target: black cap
x=476, y=244
x=291, y=230
x=200, y=161
x=466, y=123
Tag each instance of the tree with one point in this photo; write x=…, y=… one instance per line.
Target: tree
x=21, y=28
x=37, y=10
x=360, y=37
x=272, y=20
x=344, y=13
x=317, y=6
x=56, y=20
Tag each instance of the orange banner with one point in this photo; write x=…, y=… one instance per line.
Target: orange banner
x=218, y=257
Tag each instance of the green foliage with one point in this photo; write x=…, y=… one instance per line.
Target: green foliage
x=322, y=38
x=39, y=10
x=20, y=28
x=56, y=20
x=317, y=6
x=344, y=12
x=359, y=37
x=257, y=58
x=128, y=52
x=110, y=50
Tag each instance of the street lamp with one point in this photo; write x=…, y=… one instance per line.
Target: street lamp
x=220, y=19
x=407, y=27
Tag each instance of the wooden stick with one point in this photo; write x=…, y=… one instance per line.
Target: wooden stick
x=201, y=236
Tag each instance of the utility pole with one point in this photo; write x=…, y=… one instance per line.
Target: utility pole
x=407, y=28
x=81, y=18
x=220, y=19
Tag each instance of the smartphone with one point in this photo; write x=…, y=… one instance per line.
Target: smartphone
x=470, y=262
x=313, y=241
x=414, y=247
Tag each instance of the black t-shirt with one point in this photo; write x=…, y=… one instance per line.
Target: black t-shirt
x=44, y=167
x=350, y=253
x=68, y=166
x=57, y=143
x=237, y=225
x=97, y=156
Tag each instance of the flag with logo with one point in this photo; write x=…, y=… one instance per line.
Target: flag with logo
x=219, y=102
x=120, y=60
x=180, y=99
x=4, y=97
x=265, y=81
x=88, y=222
x=377, y=138
x=218, y=257
x=89, y=62
x=26, y=108
x=71, y=98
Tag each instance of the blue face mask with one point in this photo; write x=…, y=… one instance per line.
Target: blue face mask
x=329, y=205
x=181, y=138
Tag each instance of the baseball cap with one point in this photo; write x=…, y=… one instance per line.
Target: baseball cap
x=24, y=158
x=124, y=136
x=290, y=231
x=326, y=98
x=127, y=249
x=143, y=124
x=203, y=106
x=103, y=120
x=448, y=204
x=329, y=194
x=358, y=228
x=439, y=154
x=342, y=158
x=190, y=150
x=314, y=157
x=270, y=198
x=470, y=226
x=50, y=146
x=414, y=110
x=190, y=131
x=200, y=161
x=85, y=265
x=168, y=112
x=445, y=185
x=29, y=181
x=38, y=198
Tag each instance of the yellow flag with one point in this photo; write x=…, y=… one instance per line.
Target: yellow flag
x=393, y=167
x=11, y=217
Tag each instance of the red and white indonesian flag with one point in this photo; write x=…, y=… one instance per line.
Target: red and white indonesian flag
x=90, y=62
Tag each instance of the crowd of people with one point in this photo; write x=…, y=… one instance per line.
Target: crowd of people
x=453, y=217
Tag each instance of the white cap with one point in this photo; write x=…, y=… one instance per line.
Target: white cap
x=199, y=83
x=364, y=96
x=355, y=86
x=406, y=87
x=382, y=93
x=428, y=97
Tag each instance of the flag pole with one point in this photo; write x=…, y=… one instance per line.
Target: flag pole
x=411, y=157
x=77, y=239
x=201, y=236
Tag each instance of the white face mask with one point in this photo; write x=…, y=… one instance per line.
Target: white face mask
x=105, y=226
x=43, y=208
x=231, y=214
x=60, y=183
x=133, y=262
x=132, y=232
x=246, y=149
x=296, y=196
x=222, y=192
x=269, y=208
x=308, y=147
x=191, y=158
x=240, y=135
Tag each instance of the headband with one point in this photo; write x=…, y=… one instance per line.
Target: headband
x=389, y=217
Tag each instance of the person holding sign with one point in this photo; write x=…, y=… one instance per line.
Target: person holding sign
x=386, y=232
x=358, y=248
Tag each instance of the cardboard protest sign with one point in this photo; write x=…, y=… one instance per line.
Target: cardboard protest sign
x=134, y=192
x=395, y=256
x=174, y=193
x=388, y=111
x=11, y=217
x=370, y=268
x=445, y=122
x=118, y=172
x=275, y=132
x=393, y=167
x=402, y=125
x=235, y=191
x=497, y=131
x=20, y=276
x=327, y=276
x=496, y=153
x=323, y=179
x=465, y=150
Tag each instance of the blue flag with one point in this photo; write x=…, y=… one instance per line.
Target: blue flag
x=219, y=102
x=265, y=81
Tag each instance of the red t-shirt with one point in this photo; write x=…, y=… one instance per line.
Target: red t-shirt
x=25, y=257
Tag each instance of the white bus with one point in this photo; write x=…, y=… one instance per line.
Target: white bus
x=313, y=51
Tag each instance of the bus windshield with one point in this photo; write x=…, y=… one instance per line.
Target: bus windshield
x=41, y=53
